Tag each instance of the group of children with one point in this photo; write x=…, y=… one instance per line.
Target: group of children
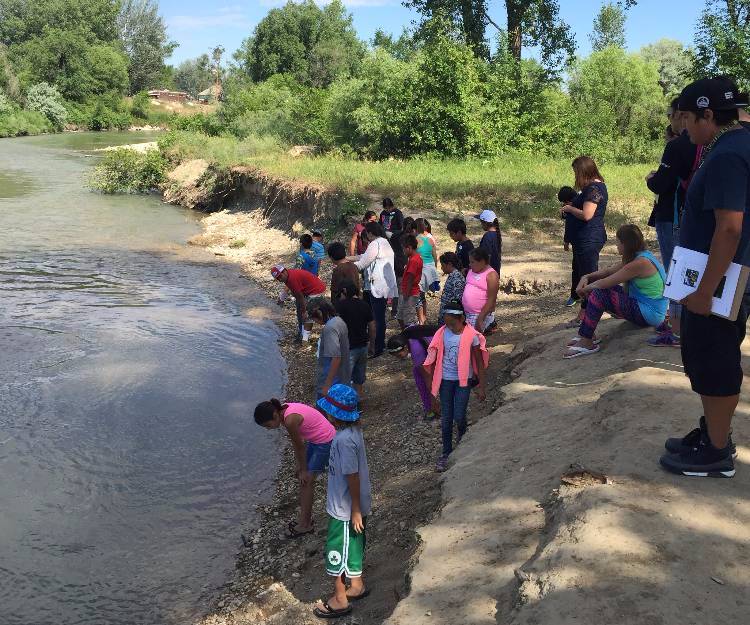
x=449, y=360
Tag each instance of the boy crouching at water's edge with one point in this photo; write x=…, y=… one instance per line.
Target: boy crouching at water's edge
x=348, y=502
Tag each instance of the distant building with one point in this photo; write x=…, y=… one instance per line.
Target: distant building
x=212, y=94
x=168, y=96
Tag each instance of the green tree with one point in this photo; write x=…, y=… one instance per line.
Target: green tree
x=45, y=99
x=314, y=45
x=722, y=40
x=620, y=104
x=535, y=23
x=22, y=20
x=609, y=28
x=194, y=75
x=144, y=38
x=673, y=61
x=402, y=48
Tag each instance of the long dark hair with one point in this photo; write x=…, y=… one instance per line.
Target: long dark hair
x=586, y=172
x=324, y=307
x=419, y=333
x=375, y=229
x=632, y=241
x=420, y=225
x=265, y=410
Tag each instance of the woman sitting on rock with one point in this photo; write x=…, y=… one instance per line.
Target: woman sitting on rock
x=640, y=299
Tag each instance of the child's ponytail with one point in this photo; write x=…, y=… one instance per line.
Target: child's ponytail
x=265, y=410
x=276, y=404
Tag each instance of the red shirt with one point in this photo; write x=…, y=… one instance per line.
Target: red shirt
x=413, y=268
x=301, y=281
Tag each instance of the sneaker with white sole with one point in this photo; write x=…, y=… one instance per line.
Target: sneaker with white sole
x=704, y=460
x=692, y=438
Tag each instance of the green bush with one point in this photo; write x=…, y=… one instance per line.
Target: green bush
x=6, y=106
x=127, y=171
x=21, y=123
x=105, y=118
x=46, y=99
x=200, y=122
x=141, y=106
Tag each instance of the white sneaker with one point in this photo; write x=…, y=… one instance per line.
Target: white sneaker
x=305, y=335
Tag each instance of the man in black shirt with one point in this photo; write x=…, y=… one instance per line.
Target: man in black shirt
x=464, y=245
x=360, y=324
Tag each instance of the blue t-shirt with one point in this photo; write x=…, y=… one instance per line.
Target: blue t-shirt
x=307, y=261
x=319, y=251
x=591, y=232
x=721, y=183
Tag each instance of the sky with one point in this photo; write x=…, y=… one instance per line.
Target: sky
x=198, y=26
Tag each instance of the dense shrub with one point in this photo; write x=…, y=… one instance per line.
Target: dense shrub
x=45, y=99
x=141, y=105
x=6, y=106
x=200, y=122
x=20, y=123
x=128, y=171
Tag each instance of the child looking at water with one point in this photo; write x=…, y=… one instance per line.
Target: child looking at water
x=311, y=435
x=348, y=502
x=457, y=360
x=306, y=258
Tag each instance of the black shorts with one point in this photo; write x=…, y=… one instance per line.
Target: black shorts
x=711, y=353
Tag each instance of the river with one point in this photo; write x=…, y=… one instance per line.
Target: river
x=129, y=369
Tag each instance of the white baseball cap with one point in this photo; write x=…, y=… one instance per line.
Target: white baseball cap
x=487, y=216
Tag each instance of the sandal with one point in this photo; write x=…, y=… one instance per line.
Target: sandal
x=293, y=532
x=329, y=612
x=577, y=339
x=576, y=351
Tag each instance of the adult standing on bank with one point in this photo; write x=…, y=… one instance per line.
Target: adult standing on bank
x=588, y=236
x=378, y=264
x=492, y=239
x=716, y=222
x=357, y=244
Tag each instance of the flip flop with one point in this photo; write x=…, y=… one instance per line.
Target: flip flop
x=329, y=612
x=576, y=351
x=577, y=339
x=294, y=533
x=362, y=595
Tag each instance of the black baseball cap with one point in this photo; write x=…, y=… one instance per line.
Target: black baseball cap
x=717, y=94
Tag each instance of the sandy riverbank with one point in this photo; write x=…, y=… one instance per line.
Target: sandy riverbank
x=402, y=450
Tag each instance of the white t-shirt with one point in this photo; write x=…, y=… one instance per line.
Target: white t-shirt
x=379, y=261
x=451, y=344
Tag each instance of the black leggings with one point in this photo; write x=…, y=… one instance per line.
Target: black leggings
x=585, y=261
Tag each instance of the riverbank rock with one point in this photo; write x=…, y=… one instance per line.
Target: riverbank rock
x=517, y=545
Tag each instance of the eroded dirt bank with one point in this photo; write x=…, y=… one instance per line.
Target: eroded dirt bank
x=514, y=546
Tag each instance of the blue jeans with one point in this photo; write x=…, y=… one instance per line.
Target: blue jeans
x=665, y=236
x=454, y=399
x=317, y=456
x=358, y=361
x=379, y=306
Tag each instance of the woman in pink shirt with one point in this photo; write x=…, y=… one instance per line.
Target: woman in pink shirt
x=480, y=293
x=311, y=435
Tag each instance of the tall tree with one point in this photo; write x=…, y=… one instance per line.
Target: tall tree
x=672, y=60
x=723, y=40
x=194, y=75
x=144, y=39
x=315, y=45
x=609, y=28
x=529, y=23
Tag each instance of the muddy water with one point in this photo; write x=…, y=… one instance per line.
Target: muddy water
x=128, y=371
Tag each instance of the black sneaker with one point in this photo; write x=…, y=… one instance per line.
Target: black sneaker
x=693, y=438
x=704, y=460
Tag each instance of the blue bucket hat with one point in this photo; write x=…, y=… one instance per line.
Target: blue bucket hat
x=340, y=402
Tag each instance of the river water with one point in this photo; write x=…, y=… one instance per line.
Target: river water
x=129, y=369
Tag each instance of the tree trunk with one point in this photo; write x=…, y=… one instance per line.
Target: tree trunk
x=515, y=10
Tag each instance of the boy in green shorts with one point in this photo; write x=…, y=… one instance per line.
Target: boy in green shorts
x=348, y=502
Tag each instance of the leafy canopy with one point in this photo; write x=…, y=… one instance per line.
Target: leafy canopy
x=315, y=45
x=609, y=28
x=723, y=40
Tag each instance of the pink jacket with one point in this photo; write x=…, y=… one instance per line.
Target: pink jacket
x=434, y=360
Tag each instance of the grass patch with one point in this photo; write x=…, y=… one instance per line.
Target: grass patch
x=236, y=245
x=521, y=187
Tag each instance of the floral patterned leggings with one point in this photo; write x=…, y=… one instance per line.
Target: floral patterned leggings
x=614, y=301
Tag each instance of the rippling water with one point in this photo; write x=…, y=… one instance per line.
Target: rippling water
x=128, y=374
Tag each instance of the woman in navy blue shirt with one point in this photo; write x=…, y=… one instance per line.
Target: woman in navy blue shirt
x=587, y=233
